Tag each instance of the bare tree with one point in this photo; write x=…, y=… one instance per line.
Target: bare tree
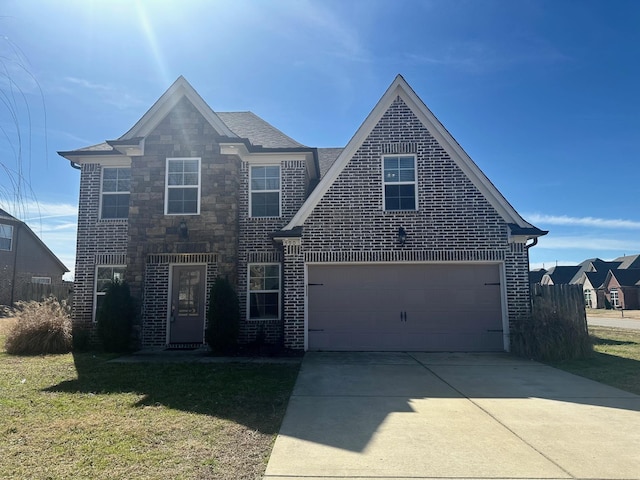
x=18, y=112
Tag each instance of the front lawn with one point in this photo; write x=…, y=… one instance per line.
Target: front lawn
x=79, y=416
x=616, y=359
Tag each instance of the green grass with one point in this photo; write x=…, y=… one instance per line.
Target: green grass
x=78, y=416
x=616, y=359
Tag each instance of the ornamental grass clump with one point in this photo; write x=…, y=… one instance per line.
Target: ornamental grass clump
x=40, y=328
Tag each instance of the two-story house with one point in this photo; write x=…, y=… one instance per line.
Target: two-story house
x=396, y=242
x=25, y=262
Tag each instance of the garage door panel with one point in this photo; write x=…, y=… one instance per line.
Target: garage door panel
x=405, y=307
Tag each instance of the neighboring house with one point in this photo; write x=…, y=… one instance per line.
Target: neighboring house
x=593, y=265
x=396, y=242
x=559, y=275
x=629, y=262
x=24, y=259
x=592, y=287
x=622, y=288
x=535, y=276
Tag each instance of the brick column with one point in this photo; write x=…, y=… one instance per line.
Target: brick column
x=293, y=297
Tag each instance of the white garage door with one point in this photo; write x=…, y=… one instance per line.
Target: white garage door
x=405, y=307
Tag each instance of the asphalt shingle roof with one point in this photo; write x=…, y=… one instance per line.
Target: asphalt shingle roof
x=562, y=274
x=627, y=278
x=596, y=279
x=326, y=158
x=629, y=261
x=259, y=132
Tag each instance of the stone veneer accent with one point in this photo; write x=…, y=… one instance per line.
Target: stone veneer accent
x=182, y=133
x=454, y=221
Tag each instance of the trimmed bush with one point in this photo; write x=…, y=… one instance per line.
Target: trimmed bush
x=223, y=318
x=40, y=328
x=115, y=318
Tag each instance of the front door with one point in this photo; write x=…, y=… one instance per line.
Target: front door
x=186, y=316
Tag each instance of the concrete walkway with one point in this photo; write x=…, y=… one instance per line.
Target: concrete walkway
x=620, y=322
x=452, y=416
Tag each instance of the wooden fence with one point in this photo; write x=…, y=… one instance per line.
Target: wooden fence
x=561, y=301
x=557, y=328
x=37, y=291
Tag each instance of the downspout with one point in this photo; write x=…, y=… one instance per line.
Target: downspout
x=75, y=165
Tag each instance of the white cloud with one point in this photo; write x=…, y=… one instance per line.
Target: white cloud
x=565, y=220
x=588, y=243
x=109, y=94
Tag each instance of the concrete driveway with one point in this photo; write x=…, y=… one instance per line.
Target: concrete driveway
x=452, y=416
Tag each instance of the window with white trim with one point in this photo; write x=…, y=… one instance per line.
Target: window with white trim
x=264, y=291
x=6, y=236
x=265, y=190
x=105, y=275
x=587, y=298
x=115, y=192
x=399, y=179
x=182, y=195
x=41, y=280
x=615, y=301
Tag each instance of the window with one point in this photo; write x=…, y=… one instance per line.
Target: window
x=105, y=275
x=6, y=236
x=264, y=291
x=587, y=298
x=265, y=191
x=614, y=297
x=115, y=192
x=182, y=186
x=399, y=177
x=41, y=280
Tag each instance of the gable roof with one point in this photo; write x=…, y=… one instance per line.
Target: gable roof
x=596, y=279
x=535, y=276
x=400, y=88
x=168, y=100
x=562, y=273
x=625, y=277
x=236, y=125
x=6, y=216
x=593, y=265
x=629, y=261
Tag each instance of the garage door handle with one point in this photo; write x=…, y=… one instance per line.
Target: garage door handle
x=494, y=283
x=403, y=316
x=496, y=331
x=316, y=329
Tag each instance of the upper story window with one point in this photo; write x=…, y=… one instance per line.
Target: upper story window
x=399, y=177
x=115, y=192
x=265, y=191
x=6, y=236
x=182, y=195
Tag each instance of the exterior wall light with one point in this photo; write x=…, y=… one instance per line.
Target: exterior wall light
x=183, y=230
x=402, y=236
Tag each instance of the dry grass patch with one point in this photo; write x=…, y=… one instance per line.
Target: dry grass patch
x=615, y=361
x=66, y=416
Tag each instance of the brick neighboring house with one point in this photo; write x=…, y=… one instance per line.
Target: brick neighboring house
x=24, y=260
x=622, y=288
x=396, y=242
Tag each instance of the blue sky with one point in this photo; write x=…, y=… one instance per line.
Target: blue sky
x=543, y=95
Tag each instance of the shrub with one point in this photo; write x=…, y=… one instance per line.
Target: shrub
x=40, y=328
x=115, y=318
x=223, y=317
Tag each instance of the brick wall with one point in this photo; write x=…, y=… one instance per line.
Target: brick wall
x=98, y=242
x=256, y=245
x=454, y=221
